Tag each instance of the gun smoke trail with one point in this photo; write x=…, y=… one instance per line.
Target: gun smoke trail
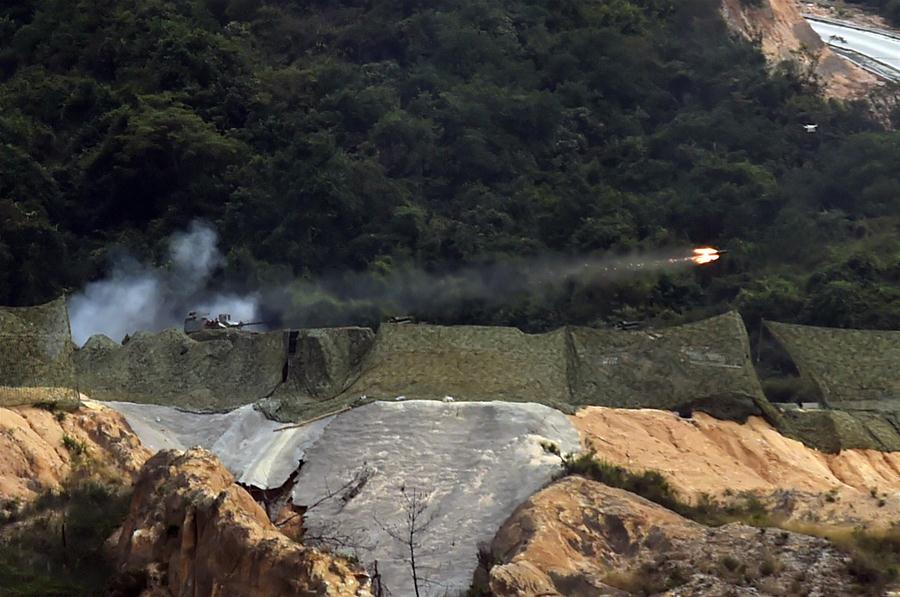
x=137, y=296
x=354, y=298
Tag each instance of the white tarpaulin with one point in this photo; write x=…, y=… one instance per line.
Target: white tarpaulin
x=246, y=442
x=471, y=463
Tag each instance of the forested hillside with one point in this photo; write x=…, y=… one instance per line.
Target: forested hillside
x=323, y=137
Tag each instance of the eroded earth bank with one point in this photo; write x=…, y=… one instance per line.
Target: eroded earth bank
x=506, y=503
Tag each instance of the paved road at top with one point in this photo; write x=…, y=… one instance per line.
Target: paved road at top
x=875, y=46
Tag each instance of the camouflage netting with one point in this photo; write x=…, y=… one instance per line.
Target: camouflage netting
x=293, y=374
x=704, y=366
x=467, y=363
x=320, y=364
x=300, y=374
x=218, y=371
x=857, y=368
x=36, y=355
x=857, y=374
x=836, y=430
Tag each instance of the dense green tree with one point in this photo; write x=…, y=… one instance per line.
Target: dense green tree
x=376, y=137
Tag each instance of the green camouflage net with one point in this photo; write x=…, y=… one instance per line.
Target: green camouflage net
x=212, y=371
x=705, y=365
x=859, y=369
x=36, y=355
x=320, y=364
x=836, y=430
x=857, y=373
x=466, y=363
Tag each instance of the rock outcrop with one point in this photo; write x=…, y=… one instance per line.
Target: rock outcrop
x=580, y=538
x=193, y=531
x=39, y=448
x=784, y=35
x=703, y=455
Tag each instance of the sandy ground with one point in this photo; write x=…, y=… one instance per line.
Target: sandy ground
x=33, y=447
x=583, y=539
x=705, y=455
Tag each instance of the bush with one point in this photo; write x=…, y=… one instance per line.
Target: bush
x=769, y=566
x=651, y=485
x=874, y=555
x=57, y=547
x=729, y=563
x=77, y=448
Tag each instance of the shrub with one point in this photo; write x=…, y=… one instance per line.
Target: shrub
x=729, y=563
x=874, y=555
x=651, y=485
x=770, y=565
x=57, y=546
x=551, y=447
x=76, y=447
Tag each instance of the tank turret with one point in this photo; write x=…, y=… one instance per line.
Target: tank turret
x=195, y=322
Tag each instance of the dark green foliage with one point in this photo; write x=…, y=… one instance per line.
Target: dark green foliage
x=76, y=447
x=376, y=137
x=875, y=558
x=58, y=548
x=729, y=563
x=651, y=485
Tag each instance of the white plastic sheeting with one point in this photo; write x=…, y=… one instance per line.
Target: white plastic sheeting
x=473, y=463
x=247, y=443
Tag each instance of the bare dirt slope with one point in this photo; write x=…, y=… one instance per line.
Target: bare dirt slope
x=580, y=538
x=38, y=448
x=194, y=531
x=706, y=455
x=785, y=35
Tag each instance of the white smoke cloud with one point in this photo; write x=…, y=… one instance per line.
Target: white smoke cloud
x=139, y=297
